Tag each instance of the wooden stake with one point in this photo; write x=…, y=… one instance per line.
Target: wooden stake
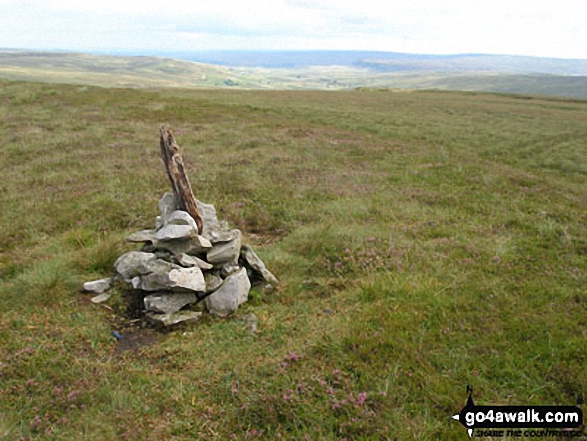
x=179, y=180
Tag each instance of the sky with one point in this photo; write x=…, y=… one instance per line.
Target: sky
x=514, y=27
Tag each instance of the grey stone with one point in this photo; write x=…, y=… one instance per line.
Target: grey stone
x=167, y=205
x=229, y=268
x=136, y=282
x=177, y=279
x=189, y=261
x=203, y=242
x=98, y=286
x=251, y=259
x=195, y=245
x=175, y=318
x=158, y=266
x=142, y=236
x=169, y=303
x=233, y=292
x=213, y=281
x=211, y=225
x=179, y=217
x=209, y=218
x=132, y=264
x=102, y=297
x=226, y=251
x=251, y=321
x=175, y=232
x=223, y=235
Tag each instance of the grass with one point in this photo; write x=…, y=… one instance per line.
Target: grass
x=424, y=240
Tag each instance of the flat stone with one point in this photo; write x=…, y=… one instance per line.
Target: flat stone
x=194, y=245
x=175, y=232
x=132, y=264
x=233, y=292
x=169, y=303
x=209, y=218
x=252, y=260
x=213, y=281
x=142, y=236
x=102, y=297
x=177, y=279
x=189, y=261
x=167, y=205
x=179, y=217
x=98, y=286
x=226, y=251
x=217, y=236
x=175, y=318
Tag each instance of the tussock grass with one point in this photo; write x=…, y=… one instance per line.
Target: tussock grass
x=424, y=241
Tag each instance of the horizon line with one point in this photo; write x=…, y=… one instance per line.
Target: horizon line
x=156, y=52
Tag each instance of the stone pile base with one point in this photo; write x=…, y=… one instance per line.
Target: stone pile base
x=177, y=267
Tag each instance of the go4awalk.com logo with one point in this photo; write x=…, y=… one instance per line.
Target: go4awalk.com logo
x=518, y=421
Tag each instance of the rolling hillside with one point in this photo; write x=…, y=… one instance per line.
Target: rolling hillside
x=522, y=75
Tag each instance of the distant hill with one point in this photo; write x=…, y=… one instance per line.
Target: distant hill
x=110, y=71
x=304, y=70
x=386, y=61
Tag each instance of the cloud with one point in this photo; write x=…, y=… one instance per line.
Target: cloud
x=453, y=26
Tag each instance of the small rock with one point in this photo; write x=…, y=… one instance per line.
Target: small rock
x=255, y=263
x=175, y=318
x=233, y=292
x=142, y=236
x=175, y=232
x=130, y=264
x=169, y=303
x=177, y=279
x=102, y=297
x=229, y=268
x=98, y=286
x=267, y=288
x=189, y=261
x=251, y=321
x=167, y=205
x=195, y=245
x=223, y=236
x=226, y=251
x=179, y=217
x=209, y=219
x=213, y=281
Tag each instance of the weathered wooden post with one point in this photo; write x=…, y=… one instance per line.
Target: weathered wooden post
x=179, y=180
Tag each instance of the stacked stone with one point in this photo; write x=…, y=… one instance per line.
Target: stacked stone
x=177, y=267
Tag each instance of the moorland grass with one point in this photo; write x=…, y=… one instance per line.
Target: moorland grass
x=424, y=241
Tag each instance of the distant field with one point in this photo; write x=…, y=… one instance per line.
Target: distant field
x=500, y=75
x=424, y=241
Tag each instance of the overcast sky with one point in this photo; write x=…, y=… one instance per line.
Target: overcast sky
x=520, y=27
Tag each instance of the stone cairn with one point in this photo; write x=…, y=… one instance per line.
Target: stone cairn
x=185, y=261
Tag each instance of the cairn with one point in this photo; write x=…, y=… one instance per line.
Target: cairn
x=184, y=261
